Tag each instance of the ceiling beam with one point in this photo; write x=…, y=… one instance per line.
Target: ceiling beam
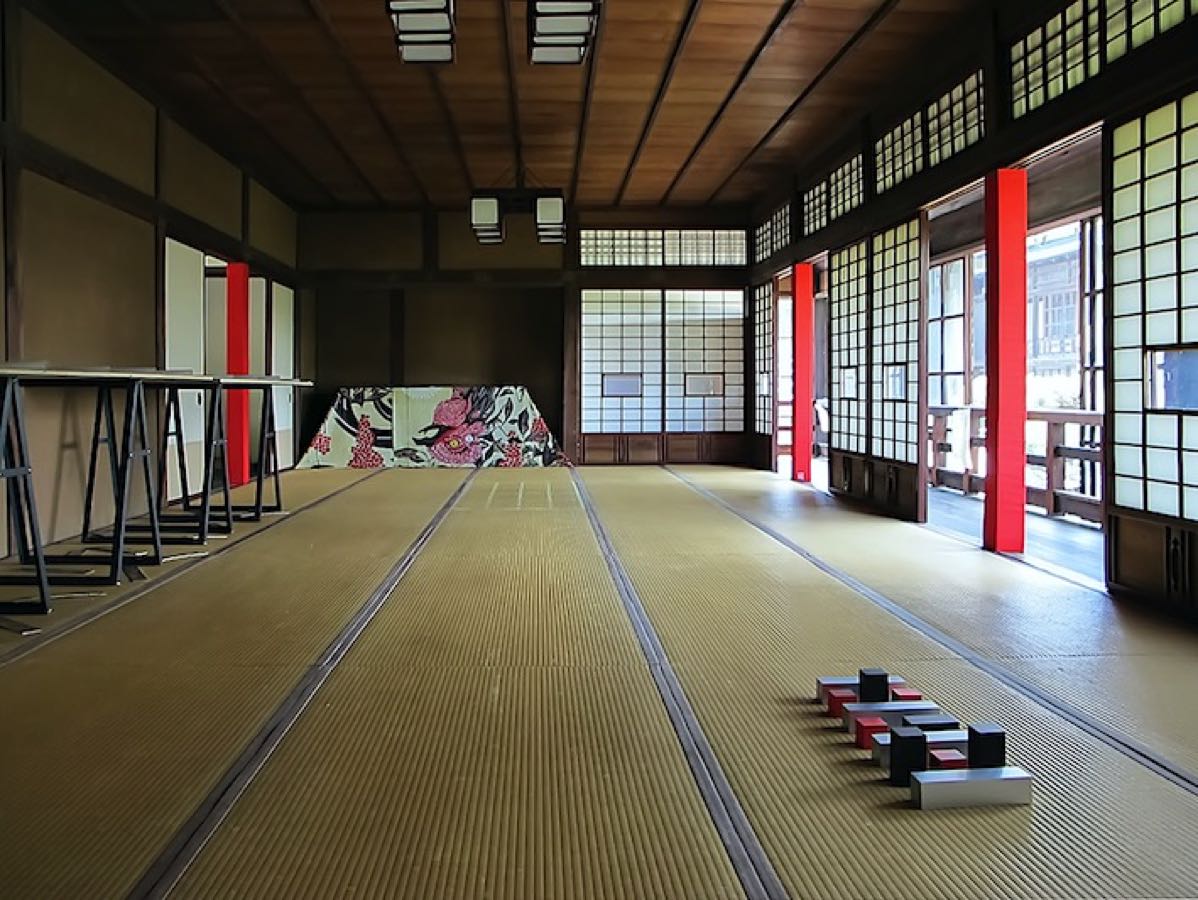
x=455, y=137
x=513, y=95
x=161, y=35
x=584, y=118
x=851, y=44
x=684, y=31
x=783, y=14
x=316, y=7
x=297, y=95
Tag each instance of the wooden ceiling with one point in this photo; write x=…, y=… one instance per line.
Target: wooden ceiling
x=686, y=102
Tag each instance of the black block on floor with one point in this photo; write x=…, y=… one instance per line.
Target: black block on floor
x=932, y=722
x=908, y=753
x=987, y=746
x=873, y=686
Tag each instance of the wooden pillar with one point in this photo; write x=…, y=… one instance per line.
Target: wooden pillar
x=803, y=294
x=1006, y=360
x=238, y=363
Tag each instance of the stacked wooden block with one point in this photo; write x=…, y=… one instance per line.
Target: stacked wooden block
x=923, y=748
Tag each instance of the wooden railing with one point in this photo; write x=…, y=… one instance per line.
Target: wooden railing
x=1057, y=497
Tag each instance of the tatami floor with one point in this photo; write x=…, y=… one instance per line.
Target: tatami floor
x=590, y=684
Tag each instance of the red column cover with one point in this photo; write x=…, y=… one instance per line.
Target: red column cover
x=237, y=358
x=1006, y=360
x=804, y=369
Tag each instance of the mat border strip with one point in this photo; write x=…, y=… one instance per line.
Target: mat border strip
x=189, y=841
x=747, y=855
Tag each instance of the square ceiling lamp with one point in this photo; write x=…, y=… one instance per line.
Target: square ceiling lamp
x=551, y=218
x=560, y=32
x=486, y=218
x=423, y=29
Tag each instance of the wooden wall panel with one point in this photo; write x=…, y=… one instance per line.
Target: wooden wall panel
x=273, y=225
x=88, y=299
x=459, y=248
x=360, y=241
x=466, y=335
x=199, y=181
x=75, y=105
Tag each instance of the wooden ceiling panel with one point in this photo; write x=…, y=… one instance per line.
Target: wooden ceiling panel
x=720, y=44
x=901, y=36
x=476, y=93
x=634, y=50
x=549, y=107
x=806, y=43
x=681, y=107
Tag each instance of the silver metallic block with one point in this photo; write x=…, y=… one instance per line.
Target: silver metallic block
x=892, y=712
x=948, y=788
x=828, y=682
x=937, y=740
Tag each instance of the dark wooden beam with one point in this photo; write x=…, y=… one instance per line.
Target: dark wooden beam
x=263, y=53
x=684, y=30
x=11, y=92
x=584, y=118
x=316, y=7
x=513, y=94
x=783, y=14
x=851, y=44
x=455, y=137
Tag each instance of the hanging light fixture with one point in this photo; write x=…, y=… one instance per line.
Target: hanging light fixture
x=560, y=32
x=424, y=29
x=486, y=218
x=551, y=218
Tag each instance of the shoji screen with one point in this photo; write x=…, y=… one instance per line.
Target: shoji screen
x=282, y=350
x=185, y=333
x=763, y=362
x=895, y=338
x=847, y=310
x=622, y=364
x=1154, y=336
x=705, y=381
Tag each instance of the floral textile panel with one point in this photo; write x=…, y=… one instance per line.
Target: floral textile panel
x=438, y=427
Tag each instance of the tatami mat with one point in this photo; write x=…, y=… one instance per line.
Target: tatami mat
x=1129, y=668
x=749, y=625
x=114, y=734
x=301, y=489
x=493, y=734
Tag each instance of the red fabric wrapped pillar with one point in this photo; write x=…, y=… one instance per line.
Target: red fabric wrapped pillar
x=1006, y=360
x=237, y=362
x=804, y=369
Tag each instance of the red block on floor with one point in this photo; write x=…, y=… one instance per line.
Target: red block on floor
x=903, y=694
x=867, y=727
x=948, y=759
x=837, y=698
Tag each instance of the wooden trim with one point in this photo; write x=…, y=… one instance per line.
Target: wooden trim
x=859, y=35
x=667, y=76
x=316, y=7
x=572, y=371
x=921, y=423
x=584, y=118
x=513, y=93
x=263, y=52
x=783, y=14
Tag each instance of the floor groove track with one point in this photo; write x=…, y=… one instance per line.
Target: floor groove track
x=748, y=625
x=117, y=732
x=495, y=733
x=187, y=844
x=748, y=857
x=1117, y=740
x=34, y=643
